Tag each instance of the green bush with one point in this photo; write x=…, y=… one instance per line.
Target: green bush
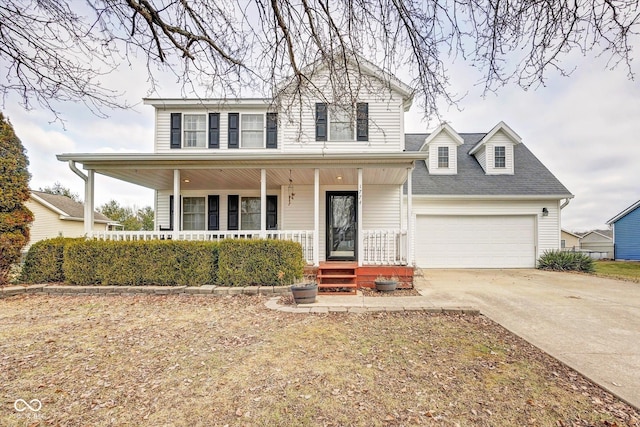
x=259, y=262
x=566, y=261
x=154, y=262
x=43, y=262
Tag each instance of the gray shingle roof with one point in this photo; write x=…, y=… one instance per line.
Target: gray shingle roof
x=68, y=206
x=530, y=178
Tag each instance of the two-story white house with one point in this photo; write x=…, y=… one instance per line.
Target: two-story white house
x=339, y=175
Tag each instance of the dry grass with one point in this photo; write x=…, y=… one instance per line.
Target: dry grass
x=198, y=361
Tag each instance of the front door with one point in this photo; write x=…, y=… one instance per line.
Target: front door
x=342, y=225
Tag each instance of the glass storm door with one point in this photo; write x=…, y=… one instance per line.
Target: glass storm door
x=342, y=226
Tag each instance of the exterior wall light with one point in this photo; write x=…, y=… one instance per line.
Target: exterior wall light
x=545, y=212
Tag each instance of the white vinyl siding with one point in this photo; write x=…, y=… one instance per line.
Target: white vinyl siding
x=547, y=231
x=163, y=126
x=433, y=150
x=47, y=225
x=385, y=115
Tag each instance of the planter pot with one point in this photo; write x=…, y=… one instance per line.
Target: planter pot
x=304, y=293
x=386, y=285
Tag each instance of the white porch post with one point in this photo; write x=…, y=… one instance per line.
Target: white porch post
x=316, y=217
x=409, y=215
x=263, y=203
x=89, y=188
x=360, y=230
x=176, y=203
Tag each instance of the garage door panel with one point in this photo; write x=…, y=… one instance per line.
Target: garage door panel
x=475, y=241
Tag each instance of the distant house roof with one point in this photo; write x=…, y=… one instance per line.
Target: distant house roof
x=604, y=233
x=578, y=235
x=530, y=178
x=624, y=213
x=67, y=208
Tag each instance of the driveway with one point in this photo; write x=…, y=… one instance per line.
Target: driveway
x=590, y=323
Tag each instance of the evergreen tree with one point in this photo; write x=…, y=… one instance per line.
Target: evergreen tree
x=15, y=217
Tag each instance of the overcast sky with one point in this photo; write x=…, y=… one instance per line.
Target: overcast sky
x=585, y=128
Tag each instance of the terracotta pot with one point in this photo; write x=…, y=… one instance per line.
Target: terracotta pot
x=386, y=285
x=304, y=293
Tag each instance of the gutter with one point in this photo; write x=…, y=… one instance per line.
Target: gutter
x=566, y=202
x=74, y=168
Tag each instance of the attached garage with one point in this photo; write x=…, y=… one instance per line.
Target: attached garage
x=475, y=241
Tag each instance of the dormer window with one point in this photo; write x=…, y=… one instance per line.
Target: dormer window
x=443, y=157
x=500, y=157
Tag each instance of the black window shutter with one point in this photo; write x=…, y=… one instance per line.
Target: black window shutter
x=171, y=213
x=362, y=121
x=214, y=212
x=232, y=211
x=234, y=130
x=176, y=130
x=272, y=130
x=214, y=130
x=321, y=121
x=272, y=212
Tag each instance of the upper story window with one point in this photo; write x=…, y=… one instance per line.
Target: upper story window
x=252, y=131
x=195, y=130
x=499, y=158
x=337, y=122
x=443, y=157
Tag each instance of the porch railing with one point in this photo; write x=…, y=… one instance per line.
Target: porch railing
x=384, y=247
x=304, y=237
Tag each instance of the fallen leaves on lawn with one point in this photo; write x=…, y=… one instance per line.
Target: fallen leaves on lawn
x=215, y=361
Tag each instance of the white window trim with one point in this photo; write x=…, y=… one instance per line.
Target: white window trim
x=354, y=123
x=438, y=158
x=495, y=166
x=183, y=140
x=264, y=129
x=182, y=212
x=240, y=213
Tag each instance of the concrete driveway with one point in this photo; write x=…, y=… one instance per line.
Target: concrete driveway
x=591, y=324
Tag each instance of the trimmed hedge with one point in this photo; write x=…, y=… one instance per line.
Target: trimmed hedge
x=43, y=262
x=566, y=261
x=154, y=262
x=259, y=262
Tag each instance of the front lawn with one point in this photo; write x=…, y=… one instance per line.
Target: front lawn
x=629, y=270
x=205, y=361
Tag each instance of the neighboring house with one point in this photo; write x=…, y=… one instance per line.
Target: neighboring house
x=57, y=215
x=626, y=233
x=569, y=241
x=598, y=242
x=342, y=179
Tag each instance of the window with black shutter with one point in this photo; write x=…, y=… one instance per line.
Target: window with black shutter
x=272, y=212
x=321, y=122
x=213, y=215
x=362, y=121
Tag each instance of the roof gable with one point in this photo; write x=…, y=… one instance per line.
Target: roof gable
x=65, y=206
x=502, y=126
x=443, y=128
x=624, y=213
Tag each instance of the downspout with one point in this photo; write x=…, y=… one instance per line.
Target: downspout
x=566, y=202
x=88, y=209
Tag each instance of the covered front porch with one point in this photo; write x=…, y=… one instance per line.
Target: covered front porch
x=339, y=207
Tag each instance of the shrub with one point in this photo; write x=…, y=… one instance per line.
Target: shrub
x=15, y=217
x=259, y=262
x=566, y=261
x=155, y=262
x=43, y=262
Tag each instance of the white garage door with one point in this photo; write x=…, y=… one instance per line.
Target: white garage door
x=475, y=241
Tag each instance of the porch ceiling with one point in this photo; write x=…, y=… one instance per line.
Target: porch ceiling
x=206, y=172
